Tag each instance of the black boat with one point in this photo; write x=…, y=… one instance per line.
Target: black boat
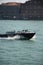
x=24, y=34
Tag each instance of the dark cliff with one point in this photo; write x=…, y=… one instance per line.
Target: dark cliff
x=30, y=10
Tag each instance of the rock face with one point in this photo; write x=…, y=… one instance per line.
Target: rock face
x=30, y=10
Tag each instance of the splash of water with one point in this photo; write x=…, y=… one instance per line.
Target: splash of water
x=12, y=38
x=33, y=38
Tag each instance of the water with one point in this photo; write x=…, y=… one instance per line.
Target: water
x=21, y=52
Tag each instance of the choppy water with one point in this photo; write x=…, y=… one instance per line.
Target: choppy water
x=21, y=52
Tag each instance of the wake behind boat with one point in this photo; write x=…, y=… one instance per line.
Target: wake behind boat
x=24, y=34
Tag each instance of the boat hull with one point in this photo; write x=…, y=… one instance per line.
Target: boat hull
x=21, y=35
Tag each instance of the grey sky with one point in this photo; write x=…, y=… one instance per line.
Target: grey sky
x=3, y=1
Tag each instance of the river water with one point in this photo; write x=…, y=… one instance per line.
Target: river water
x=21, y=52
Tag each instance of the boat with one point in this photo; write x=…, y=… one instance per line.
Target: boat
x=24, y=34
